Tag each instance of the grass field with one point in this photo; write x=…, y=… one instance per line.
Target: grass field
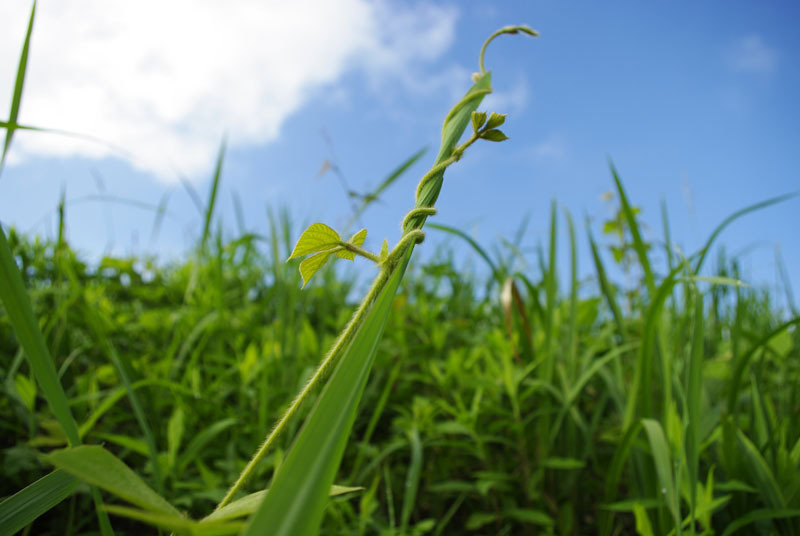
x=134, y=395
x=517, y=404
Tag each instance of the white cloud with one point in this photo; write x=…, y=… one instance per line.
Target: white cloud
x=752, y=55
x=166, y=80
x=554, y=147
x=511, y=101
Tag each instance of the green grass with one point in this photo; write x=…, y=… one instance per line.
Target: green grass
x=449, y=437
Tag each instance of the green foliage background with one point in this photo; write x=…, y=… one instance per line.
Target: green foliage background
x=450, y=437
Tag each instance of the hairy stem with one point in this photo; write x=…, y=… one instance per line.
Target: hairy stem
x=360, y=251
x=341, y=343
x=412, y=234
x=504, y=30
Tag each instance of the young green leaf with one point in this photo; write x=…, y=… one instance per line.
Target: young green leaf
x=318, y=237
x=311, y=265
x=494, y=135
x=478, y=119
x=495, y=120
x=384, y=251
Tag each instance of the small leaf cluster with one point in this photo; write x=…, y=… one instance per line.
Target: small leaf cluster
x=320, y=241
x=487, y=130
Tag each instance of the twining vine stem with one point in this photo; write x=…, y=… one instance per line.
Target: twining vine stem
x=412, y=234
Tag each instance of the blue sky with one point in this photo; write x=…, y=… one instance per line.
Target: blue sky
x=694, y=102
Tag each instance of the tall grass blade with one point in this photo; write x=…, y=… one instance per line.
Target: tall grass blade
x=97, y=466
x=371, y=197
x=496, y=274
x=730, y=219
x=661, y=459
x=633, y=226
x=22, y=508
x=412, y=478
x=212, y=196
x=249, y=503
x=758, y=469
x=125, y=372
x=759, y=515
x=572, y=339
x=744, y=359
x=615, y=473
x=694, y=392
x=605, y=286
x=299, y=491
x=640, y=399
x=19, y=83
x=20, y=313
x=667, y=240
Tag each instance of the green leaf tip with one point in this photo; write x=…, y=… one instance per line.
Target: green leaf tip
x=495, y=120
x=494, y=135
x=311, y=265
x=318, y=237
x=384, y=251
x=478, y=119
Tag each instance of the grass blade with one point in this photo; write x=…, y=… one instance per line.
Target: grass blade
x=471, y=241
x=759, y=515
x=212, y=196
x=412, y=479
x=661, y=458
x=299, y=492
x=605, y=286
x=97, y=466
x=19, y=83
x=738, y=214
x=759, y=471
x=248, y=504
x=633, y=226
x=694, y=391
x=22, y=508
x=615, y=473
x=388, y=181
x=640, y=399
x=20, y=313
x=744, y=359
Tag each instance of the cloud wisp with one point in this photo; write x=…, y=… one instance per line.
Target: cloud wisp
x=165, y=81
x=752, y=55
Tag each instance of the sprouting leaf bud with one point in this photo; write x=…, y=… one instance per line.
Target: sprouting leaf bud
x=494, y=135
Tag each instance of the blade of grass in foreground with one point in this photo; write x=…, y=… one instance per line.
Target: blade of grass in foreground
x=22, y=508
x=18, y=306
x=299, y=492
x=19, y=83
x=20, y=313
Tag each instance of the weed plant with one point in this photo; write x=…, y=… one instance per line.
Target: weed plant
x=520, y=404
